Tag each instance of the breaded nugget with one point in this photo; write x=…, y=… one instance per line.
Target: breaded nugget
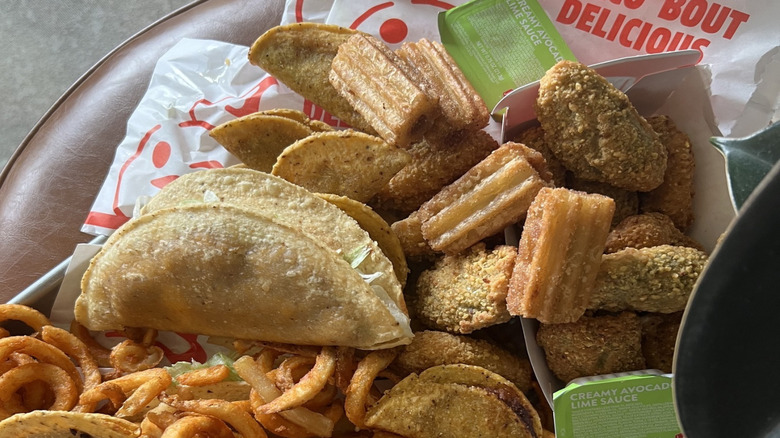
x=430, y=348
x=593, y=345
x=595, y=131
x=626, y=201
x=674, y=197
x=656, y=279
x=493, y=194
x=465, y=292
x=659, y=337
x=534, y=138
x=559, y=254
x=646, y=230
x=435, y=163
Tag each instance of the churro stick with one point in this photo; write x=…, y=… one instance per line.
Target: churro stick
x=461, y=107
x=490, y=196
x=409, y=232
x=559, y=255
x=434, y=164
x=382, y=88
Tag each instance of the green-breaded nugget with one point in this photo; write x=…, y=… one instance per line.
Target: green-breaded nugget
x=674, y=197
x=626, y=201
x=593, y=345
x=595, y=131
x=534, y=138
x=465, y=292
x=655, y=279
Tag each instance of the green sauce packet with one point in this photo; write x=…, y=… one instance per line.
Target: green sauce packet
x=639, y=405
x=501, y=44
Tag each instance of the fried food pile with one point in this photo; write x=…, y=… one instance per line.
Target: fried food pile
x=602, y=246
x=359, y=279
x=638, y=284
x=57, y=382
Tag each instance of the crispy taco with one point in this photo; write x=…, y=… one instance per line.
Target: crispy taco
x=241, y=253
x=290, y=205
x=455, y=401
x=300, y=55
x=222, y=270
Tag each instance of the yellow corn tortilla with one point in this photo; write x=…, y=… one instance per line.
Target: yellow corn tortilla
x=455, y=401
x=347, y=163
x=377, y=228
x=298, y=116
x=63, y=424
x=258, y=139
x=299, y=55
x=289, y=205
x=220, y=270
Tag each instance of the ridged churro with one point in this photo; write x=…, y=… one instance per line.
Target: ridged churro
x=382, y=88
x=490, y=196
x=559, y=255
x=460, y=105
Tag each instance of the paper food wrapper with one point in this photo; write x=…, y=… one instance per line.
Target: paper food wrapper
x=199, y=84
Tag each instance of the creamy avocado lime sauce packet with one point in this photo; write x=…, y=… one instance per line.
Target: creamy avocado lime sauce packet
x=501, y=44
x=616, y=407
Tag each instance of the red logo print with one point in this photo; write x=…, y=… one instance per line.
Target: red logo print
x=250, y=104
x=393, y=30
x=159, y=150
x=194, y=352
